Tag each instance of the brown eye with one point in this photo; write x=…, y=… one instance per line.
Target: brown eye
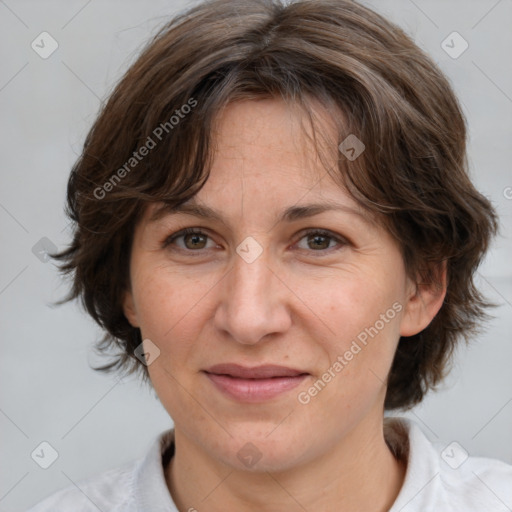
x=190, y=240
x=194, y=241
x=319, y=241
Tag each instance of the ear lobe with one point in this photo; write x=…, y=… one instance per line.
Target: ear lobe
x=129, y=309
x=424, y=302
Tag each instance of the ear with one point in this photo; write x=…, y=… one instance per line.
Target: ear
x=129, y=308
x=424, y=302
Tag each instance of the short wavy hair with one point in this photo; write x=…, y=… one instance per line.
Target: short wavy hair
x=373, y=81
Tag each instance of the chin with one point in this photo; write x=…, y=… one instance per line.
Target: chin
x=257, y=451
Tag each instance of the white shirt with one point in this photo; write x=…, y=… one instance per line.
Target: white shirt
x=438, y=479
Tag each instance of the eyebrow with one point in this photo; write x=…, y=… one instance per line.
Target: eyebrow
x=291, y=214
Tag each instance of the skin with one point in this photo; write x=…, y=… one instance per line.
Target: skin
x=299, y=304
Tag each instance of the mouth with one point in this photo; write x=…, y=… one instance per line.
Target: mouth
x=255, y=384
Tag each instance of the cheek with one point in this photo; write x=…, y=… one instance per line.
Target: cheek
x=347, y=304
x=173, y=309
x=166, y=302
x=361, y=319
x=168, y=307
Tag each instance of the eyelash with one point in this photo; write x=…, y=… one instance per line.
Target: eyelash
x=194, y=231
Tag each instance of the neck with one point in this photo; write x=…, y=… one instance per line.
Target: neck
x=359, y=473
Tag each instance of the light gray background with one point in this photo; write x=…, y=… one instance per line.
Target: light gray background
x=48, y=392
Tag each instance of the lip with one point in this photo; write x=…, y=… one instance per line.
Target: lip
x=256, y=384
x=256, y=372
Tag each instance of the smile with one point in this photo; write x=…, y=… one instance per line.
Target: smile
x=254, y=384
x=254, y=390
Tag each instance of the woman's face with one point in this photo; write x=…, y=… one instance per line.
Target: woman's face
x=321, y=292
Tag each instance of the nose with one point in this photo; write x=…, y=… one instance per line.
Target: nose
x=253, y=301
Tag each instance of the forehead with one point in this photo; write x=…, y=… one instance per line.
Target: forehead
x=273, y=139
x=268, y=158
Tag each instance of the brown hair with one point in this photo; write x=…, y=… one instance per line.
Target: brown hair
x=412, y=173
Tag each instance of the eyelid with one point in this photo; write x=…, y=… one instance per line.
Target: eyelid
x=341, y=240
x=183, y=232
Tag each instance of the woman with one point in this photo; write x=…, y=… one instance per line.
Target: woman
x=275, y=226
